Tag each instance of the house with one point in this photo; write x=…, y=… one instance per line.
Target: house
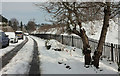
x=4, y=25
x=3, y=21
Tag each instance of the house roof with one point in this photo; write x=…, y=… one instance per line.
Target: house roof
x=3, y=19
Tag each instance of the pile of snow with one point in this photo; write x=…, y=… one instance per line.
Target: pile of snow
x=62, y=59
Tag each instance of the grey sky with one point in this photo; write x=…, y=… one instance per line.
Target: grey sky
x=24, y=11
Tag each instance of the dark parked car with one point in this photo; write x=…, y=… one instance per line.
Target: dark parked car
x=4, y=40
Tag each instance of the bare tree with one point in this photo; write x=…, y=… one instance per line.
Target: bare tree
x=14, y=23
x=14, y=26
x=73, y=14
x=110, y=11
x=31, y=26
x=21, y=26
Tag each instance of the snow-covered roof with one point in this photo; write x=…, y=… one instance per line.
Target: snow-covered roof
x=11, y=34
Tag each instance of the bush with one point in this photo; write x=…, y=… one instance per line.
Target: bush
x=47, y=44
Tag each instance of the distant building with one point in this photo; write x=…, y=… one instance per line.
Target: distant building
x=4, y=25
x=3, y=21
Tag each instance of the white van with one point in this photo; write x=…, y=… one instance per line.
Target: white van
x=13, y=38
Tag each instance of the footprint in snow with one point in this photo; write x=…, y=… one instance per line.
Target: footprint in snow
x=59, y=62
x=68, y=67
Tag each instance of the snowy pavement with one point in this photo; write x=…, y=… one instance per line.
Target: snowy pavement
x=68, y=61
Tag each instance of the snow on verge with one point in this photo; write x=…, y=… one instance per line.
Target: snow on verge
x=69, y=60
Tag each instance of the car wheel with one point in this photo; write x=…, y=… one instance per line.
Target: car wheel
x=8, y=44
x=22, y=38
x=2, y=46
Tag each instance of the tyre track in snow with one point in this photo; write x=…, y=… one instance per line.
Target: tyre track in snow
x=8, y=56
x=34, y=69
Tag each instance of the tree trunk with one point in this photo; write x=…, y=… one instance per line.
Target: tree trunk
x=99, y=50
x=82, y=34
x=86, y=46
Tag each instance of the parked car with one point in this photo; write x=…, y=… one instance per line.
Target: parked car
x=27, y=34
x=4, y=40
x=13, y=38
x=19, y=34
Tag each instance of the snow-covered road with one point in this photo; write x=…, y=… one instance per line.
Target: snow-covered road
x=20, y=63
x=9, y=48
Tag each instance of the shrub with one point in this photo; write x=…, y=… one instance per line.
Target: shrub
x=47, y=44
